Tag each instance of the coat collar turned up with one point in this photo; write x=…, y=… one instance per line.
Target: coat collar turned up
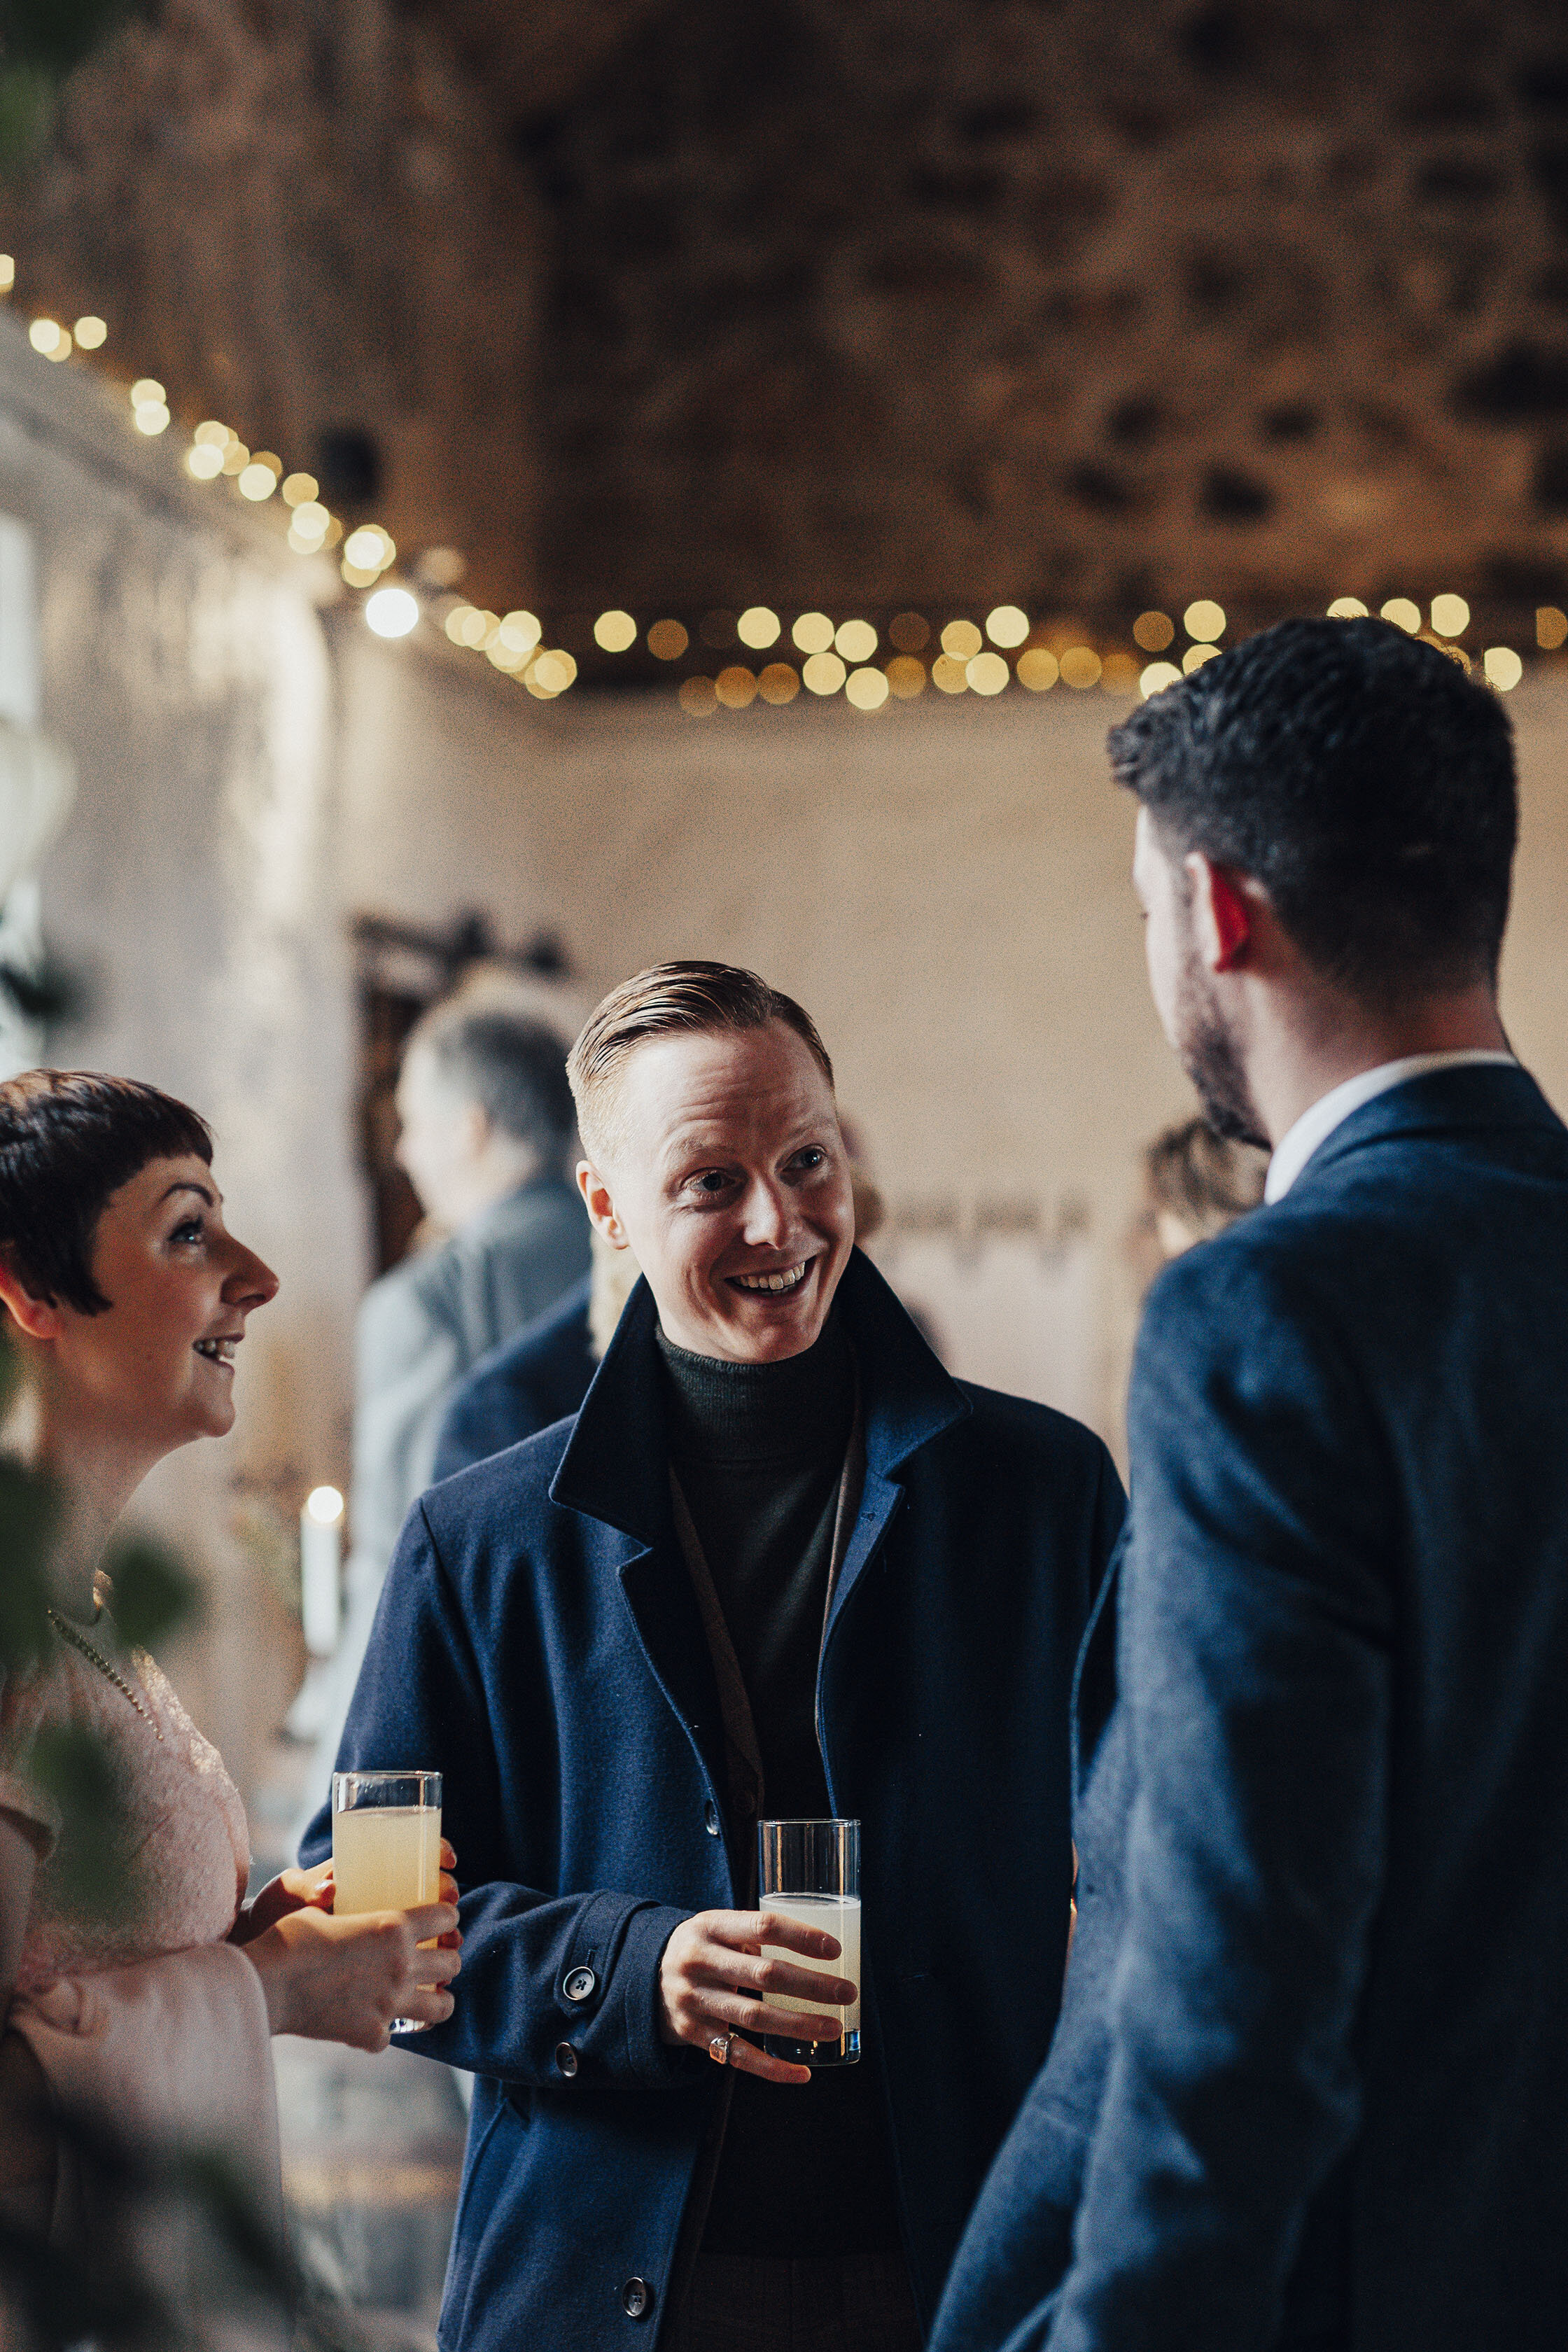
x=615, y=1467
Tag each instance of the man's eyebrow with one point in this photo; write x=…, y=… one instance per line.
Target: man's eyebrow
x=184, y=1184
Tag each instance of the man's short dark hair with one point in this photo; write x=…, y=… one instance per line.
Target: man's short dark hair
x=70, y=1138
x=1361, y=777
x=489, y=1052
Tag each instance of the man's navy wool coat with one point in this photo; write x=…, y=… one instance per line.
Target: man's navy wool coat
x=539, y=1643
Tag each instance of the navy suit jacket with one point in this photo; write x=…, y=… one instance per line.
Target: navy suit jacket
x=1311, y=2083
x=538, y=1376
x=538, y=1642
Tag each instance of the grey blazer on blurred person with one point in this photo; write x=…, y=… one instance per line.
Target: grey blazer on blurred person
x=423, y=1326
x=421, y=1329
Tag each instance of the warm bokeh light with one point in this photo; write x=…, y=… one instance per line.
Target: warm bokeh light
x=758, y=628
x=614, y=631
x=1153, y=632
x=235, y=457
x=212, y=435
x=911, y=632
x=8, y=273
x=1118, y=674
x=1037, y=669
x=1157, y=678
x=520, y=632
x=778, y=683
x=367, y=548
x=1347, y=608
x=986, y=673
x=391, y=612
x=1551, y=627
x=152, y=417
x=551, y=672
x=300, y=491
x=257, y=482
x=961, y=641
x=1008, y=624
x=324, y=1505
x=457, y=621
x=1503, y=668
x=1080, y=667
x=203, y=462
x=44, y=334
x=856, y=640
x=697, y=696
x=1451, y=615
x=947, y=672
x=477, y=626
x=735, y=686
x=1203, y=621
x=906, y=677
x=822, y=673
x=1402, y=613
x=1195, y=656
x=812, y=634
x=667, y=641
x=91, y=332
x=310, y=518
x=147, y=393
x=866, y=688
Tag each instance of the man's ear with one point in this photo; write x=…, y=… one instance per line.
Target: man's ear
x=1221, y=918
x=601, y=1208
x=39, y=1317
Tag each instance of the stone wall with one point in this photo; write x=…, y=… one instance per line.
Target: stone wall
x=680, y=305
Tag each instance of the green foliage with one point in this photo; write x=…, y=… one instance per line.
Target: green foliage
x=153, y=1593
x=28, y=99
x=29, y=1510
x=92, y=1863
x=55, y=35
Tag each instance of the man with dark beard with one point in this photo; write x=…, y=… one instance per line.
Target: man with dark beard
x=1310, y=2077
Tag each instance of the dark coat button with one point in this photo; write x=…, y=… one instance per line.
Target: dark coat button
x=711, y=1818
x=567, y=2059
x=637, y=2298
x=582, y=1984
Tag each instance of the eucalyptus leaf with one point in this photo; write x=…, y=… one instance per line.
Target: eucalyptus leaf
x=153, y=1593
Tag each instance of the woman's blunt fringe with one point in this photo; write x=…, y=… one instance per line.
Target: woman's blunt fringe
x=70, y=1138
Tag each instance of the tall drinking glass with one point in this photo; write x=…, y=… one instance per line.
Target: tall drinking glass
x=386, y=1847
x=811, y=1872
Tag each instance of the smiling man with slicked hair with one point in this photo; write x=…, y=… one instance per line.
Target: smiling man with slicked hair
x=780, y=1564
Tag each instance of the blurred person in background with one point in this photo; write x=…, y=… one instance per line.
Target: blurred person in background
x=126, y=1300
x=780, y=1563
x=486, y=1120
x=542, y=1375
x=1196, y=1184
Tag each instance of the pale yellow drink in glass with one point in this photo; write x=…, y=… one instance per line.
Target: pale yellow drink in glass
x=386, y=1847
x=386, y=1857
x=839, y=1914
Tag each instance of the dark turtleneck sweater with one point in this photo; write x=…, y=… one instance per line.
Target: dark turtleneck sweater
x=758, y=1450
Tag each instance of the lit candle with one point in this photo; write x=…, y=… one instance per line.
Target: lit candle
x=321, y=1565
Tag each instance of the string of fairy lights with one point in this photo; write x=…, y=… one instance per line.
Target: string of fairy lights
x=815, y=655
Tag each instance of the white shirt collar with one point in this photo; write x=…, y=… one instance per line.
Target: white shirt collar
x=1316, y=1125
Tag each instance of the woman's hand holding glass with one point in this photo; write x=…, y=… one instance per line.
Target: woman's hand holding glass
x=345, y=1979
x=715, y=1983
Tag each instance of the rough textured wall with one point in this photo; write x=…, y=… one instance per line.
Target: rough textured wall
x=675, y=303
x=1097, y=309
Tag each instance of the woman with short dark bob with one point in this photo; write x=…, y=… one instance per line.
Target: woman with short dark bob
x=127, y=1298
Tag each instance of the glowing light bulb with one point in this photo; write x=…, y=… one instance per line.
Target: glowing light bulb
x=614, y=631
x=325, y=1506
x=1008, y=626
x=758, y=628
x=391, y=612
